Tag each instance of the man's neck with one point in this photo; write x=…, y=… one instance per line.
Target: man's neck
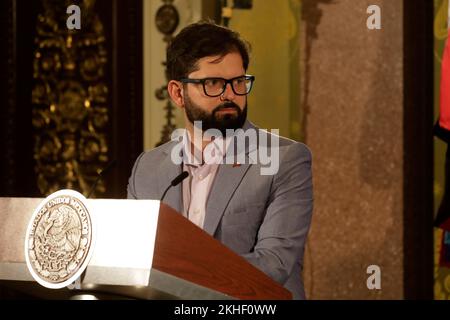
x=199, y=142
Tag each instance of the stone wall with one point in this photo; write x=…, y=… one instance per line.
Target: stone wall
x=352, y=117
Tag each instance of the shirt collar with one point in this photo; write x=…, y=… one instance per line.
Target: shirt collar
x=197, y=158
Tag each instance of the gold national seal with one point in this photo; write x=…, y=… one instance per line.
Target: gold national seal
x=59, y=239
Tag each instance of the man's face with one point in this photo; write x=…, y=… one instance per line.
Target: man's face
x=228, y=111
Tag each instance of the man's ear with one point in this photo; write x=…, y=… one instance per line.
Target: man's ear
x=175, y=90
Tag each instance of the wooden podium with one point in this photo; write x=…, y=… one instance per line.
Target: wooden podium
x=187, y=264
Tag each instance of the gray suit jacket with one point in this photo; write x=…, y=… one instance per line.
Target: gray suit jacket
x=264, y=218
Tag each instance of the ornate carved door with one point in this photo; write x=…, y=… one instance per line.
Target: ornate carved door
x=71, y=100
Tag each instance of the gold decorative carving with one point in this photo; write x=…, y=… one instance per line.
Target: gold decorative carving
x=70, y=99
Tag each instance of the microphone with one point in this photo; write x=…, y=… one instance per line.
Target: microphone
x=100, y=175
x=175, y=182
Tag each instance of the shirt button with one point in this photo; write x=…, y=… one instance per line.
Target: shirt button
x=196, y=211
x=200, y=177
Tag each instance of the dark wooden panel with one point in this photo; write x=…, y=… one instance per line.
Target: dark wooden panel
x=17, y=32
x=418, y=149
x=127, y=122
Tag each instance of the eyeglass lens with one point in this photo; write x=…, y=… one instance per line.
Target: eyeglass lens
x=215, y=87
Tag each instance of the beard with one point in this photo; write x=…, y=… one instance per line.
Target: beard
x=216, y=120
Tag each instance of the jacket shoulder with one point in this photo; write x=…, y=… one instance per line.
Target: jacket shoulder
x=158, y=152
x=287, y=145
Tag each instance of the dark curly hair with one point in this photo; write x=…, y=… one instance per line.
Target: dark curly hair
x=199, y=40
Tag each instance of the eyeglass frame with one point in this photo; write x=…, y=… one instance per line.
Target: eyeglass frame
x=227, y=81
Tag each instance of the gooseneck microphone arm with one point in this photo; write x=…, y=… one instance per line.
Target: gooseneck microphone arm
x=175, y=182
x=101, y=175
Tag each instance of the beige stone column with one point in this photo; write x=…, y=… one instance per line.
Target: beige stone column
x=352, y=114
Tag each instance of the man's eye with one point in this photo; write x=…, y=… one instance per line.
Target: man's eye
x=211, y=82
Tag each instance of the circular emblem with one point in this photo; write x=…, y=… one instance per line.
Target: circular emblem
x=58, y=243
x=167, y=19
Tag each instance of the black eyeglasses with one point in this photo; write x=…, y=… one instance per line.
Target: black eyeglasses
x=214, y=87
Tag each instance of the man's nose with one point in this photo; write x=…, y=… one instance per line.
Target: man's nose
x=228, y=94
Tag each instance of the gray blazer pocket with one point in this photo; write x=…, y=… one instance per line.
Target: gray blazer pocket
x=243, y=215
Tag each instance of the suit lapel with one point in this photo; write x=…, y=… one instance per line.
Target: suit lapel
x=225, y=184
x=168, y=172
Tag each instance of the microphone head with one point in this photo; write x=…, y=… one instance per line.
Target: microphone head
x=100, y=176
x=179, y=178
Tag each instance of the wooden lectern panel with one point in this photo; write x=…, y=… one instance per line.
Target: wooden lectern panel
x=184, y=250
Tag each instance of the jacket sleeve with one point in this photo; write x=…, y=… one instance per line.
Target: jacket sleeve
x=282, y=235
x=131, y=188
